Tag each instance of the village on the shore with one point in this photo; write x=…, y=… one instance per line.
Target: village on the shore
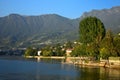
x=96, y=47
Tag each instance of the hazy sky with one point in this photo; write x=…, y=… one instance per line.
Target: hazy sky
x=66, y=8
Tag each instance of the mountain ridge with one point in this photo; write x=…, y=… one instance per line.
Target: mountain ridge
x=23, y=31
x=110, y=17
x=16, y=27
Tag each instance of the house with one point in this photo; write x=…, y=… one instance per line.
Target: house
x=68, y=51
x=38, y=53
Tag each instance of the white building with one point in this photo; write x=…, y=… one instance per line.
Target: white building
x=38, y=53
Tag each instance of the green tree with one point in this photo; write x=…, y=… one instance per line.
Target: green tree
x=59, y=51
x=91, y=29
x=47, y=51
x=93, y=50
x=79, y=50
x=117, y=44
x=107, y=47
x=30, y=52
x=69, y=45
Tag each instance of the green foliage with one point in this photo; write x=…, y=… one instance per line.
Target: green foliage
x=107, y=47
x=58, y=50
x=93, y=50
x=117, y=44
x=76, y=51
x=30, y=52
x=79, y=50
x=91, y=29
x=47, y=51
x=104, y=53
x=69, y=45
x=94, y=41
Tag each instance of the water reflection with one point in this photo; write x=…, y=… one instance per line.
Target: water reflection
x=97, y=73
x=38, y=59
x=110, y=74
x=52, y=69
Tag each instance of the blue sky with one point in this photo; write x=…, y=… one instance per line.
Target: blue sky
x=66, y=8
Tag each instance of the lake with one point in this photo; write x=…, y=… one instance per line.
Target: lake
x=18, y=68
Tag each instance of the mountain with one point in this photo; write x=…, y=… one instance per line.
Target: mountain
x=110, y=17
x=23, y=31
x=17, y=30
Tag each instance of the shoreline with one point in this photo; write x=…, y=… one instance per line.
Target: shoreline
x=78, y=61
x=100, y=65
x=52, y=57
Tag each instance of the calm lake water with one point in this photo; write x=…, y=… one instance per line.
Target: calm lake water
x=18, y=68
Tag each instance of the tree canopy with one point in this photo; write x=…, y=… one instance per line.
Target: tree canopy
x=30, y=52
x=90, y=29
